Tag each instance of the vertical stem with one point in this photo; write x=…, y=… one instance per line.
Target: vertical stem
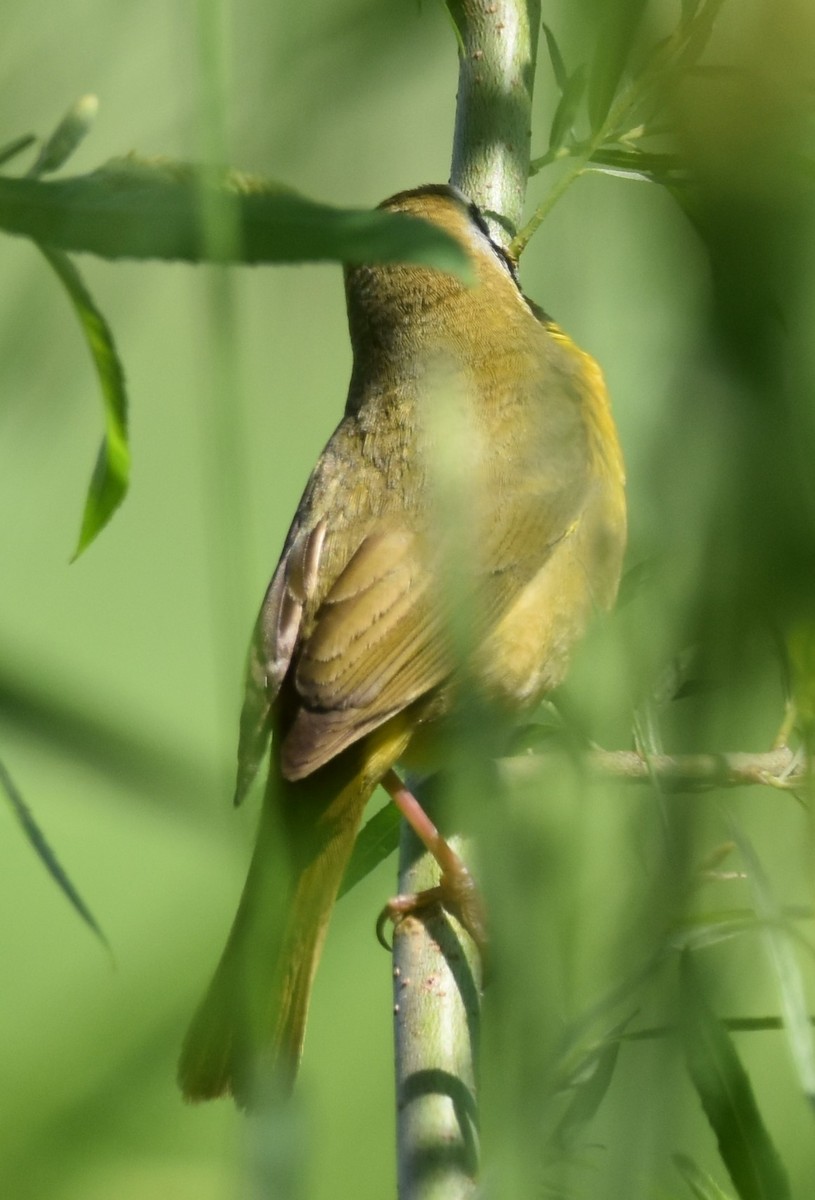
x=436, y=986
x=499, y=42
x=437, y=969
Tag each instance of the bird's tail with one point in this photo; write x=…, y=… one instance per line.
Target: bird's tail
x=247, y=1035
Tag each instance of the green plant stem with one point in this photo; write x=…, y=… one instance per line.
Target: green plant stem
x=436, y=989
x=497, y=54
x=437, y=968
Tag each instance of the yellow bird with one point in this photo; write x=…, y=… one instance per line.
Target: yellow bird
x=352, y=658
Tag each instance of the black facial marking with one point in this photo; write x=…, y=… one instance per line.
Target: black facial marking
x=478, y=220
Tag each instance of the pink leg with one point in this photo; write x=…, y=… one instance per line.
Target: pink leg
x=456, y=890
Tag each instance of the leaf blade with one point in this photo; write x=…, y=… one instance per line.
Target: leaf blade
x=556, y=58
x=111, y=475
x=789, y=980
x=726, y=1094
x=154, y=210
x=377, y=840
x=611, y=56
x=37, y=840
x=566, y=111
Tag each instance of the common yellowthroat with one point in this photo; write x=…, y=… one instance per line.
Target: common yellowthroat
x=351, y=658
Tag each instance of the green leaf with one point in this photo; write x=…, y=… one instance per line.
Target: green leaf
x=724, y=1089
x=700, y=32
x=112, y=471
x=44, y=852
x=378, y=839
x=614, y=47
x=589, y=1085
x=556, y=58
x=566, y=111
x=789, y=979
x=72, y=129
x=703, y=1185
x=665, y=169
x=15, y=147
x=135, y=209
x=689, y=10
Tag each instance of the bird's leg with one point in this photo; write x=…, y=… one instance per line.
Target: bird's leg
x=456, y=889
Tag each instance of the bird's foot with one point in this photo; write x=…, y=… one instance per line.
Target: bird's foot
x=456, y=890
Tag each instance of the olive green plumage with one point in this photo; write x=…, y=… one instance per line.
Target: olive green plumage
x=352, y=650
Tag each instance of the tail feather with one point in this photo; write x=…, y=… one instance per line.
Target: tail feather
x=248, y=1032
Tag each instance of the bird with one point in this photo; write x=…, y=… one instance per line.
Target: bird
x=353, y=665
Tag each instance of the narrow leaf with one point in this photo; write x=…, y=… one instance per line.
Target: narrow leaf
x=135, y=209
x=727, y=1097
x=566, y=111
x=589, y=1088
x=614, y=47
x=689, y=10
x=378, y=839
x=785, y=966
x=72, y=129
x=700, y=32
x=556, y=58
x=111, y=474
x=702, y=1184
x=44, y=852
x=15, y=147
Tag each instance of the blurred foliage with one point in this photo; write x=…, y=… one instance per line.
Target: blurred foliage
x=647, y=1026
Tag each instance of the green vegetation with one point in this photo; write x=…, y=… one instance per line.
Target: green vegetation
x=646, y=1031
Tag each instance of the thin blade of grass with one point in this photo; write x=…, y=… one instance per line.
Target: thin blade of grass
x=789, y=980
x=46, y=855
x=614, y=45
x=15, y=147
x=724, y=1089
x=111, y=474
x=592, y=1080
x=556, y=58
x=567, y=109
x=378, y=839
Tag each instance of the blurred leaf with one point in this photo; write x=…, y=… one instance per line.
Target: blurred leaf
x=377, y=840
x=703, y=1185
x=723, y=1087
x=712, y=928
x=665, y=169
x=689, y=10
x=731, y=1024
x=45, y=854
x=787, y=972
x=556, y=58
x=15, y=147
x=132, y=208
x=589, y=1085
x=700, y=31
x=700, y=932
x=101, y=735
x=112, y=471
x=72, y=129
x=614, y=46
x=566, y=111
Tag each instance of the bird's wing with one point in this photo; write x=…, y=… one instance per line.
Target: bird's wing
x=383, y=636
x=357, y=621
x=273, y=641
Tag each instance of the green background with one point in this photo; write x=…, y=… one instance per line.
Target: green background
x=121, y=673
